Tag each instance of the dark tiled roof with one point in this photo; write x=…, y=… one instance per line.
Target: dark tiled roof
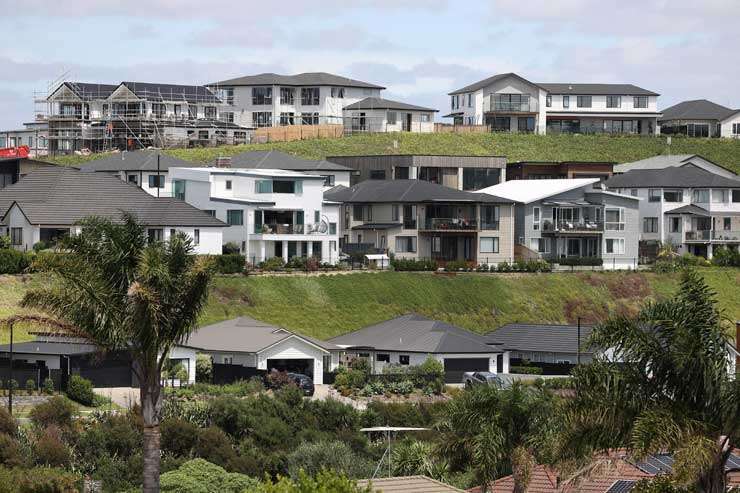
x=64, y=196
x=415, y=333
x=689, y=209
x=487, y=82
x=280, y=160
x=551, y=338
x=172, y=92
x=697, y=109
x=142, y=160
x=596, y=89
x=688, y=176
x=88, y=91
x=304, y=79
x=385, y=104
x=408, y=191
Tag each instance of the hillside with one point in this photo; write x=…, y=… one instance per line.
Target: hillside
x=328, y=305
x=516, y=147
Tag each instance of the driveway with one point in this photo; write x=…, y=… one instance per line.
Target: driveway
x=125, y=397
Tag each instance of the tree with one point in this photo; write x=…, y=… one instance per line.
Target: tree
x=671, y=392
x=123, y=294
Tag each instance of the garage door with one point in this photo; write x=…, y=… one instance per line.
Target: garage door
x=455, y=367
x=302, y=366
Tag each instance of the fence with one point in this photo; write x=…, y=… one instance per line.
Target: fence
x=297, y=132
x=460, y=129
x=225, y=374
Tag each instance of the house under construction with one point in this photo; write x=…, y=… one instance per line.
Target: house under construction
x=134, y=115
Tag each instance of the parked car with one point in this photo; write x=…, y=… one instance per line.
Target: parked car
x=303, y=382
x=472, y=378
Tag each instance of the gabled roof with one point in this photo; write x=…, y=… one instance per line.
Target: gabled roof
x=415, y=333
x=553, y=338
x=697, y=109
x=172, y=92
x=141, y=160
x=662, y=161
x=64, y=196
x=688, y=176
x=273, y=159
x=87, y=91
x=407, y=484
x=490, y=80
x=405, y=191
x=303, y=79
x=384, y=104
x=526, y=191
x=691, y=209
x=596, y=89
x=245, y=335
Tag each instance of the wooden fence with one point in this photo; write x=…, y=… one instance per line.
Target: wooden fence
x=446, y=128
x=297, y=132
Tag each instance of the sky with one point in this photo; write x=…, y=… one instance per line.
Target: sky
x=420, y=50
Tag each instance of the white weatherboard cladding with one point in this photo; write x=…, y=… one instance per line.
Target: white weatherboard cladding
x=16, y=219
x=416, y=359
x=189, y=356
x=295, y=348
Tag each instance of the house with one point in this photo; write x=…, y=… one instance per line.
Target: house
x=573, y=218
x=546, y=170
x=460, y=172
x=665, y=161
x=404, y=484
x=375, y=114
x=133, y=115
x=49, y=203
x=270, y=100
x=691, y=208
x=511, y=103
x=249, y=343
x=700, y=118
x=148, y=169
x=416, y=219
x=35, y=135
x=268, y=212
x=333, y=173
x=13, y=169
x=410, y=339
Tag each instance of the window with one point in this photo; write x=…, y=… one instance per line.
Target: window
x=650, y=225
x=736, y=129
x=210, y=112
x=332, y=228
x=719, y=196
x=654, y=195
x=196, y=236
x=540, y=245
x=409, y=217
x=700, y=196
x=287, y=119
x=309, y=96
x=262, y=119
x=227, y=116
x=455, y=101
x=479, y=178
x=16, y=236
x=235, y=217
x=548, y=100
x=202, y=134
x=489, y=245
x=328, y=180
x=383, y=358
x=674, y=224
x=155, y=234
x=391, y=118
x=309, y=118
x=614, y=219
x=633, y=192
x=337, y=92
x=566, y=101
x=210, y=212
x=673, y=195
x=613, y=101
x=536, y=218
x=640, y=102
x=362, y=212
x=405, y=244
x=133, y=179
x=178, y=110
x=735, y=196
x=436, y=244
x=525, y=124
x=178, y=189
x=159, y=110
x=470, y=100
x=403, y=359
x=228, y=184
x=156, y=181
x=261, y=95
x=697, y=130
x=333, y=243
x=614, y=246
x=394, y=213
x=192, y=111
x=727, y=223
x=377, y=174
x=425, y=117
x=287, y=95
x=583, y=101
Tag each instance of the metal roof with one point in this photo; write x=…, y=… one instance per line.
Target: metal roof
x=303, y=79
x=697, y=109
x=64, y=196
x=141, y=160
x=526, y=191
x=415, y=333
x=407, y=484
x=384, y=104
x=49, y=348
x=273, y=159
x=550, y=338
x=687, y=176
x=405, y=191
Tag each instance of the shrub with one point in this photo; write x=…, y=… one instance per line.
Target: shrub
x=51, y=450
x=201, y=476
x=482, y=268
x=8, y=424
x=334, y=455
x=323, y=481
x=297, y=263
x=4, y=242
x=38, y=480
x=503, y=267
x=350, y=379
x=526, y=370
x=575, y=261
x=401, y=264
x=725, y=257
x=214, y=446
x=41, y=245
x=179, y=437
x=457, y=265
x=13, y=261
x=278, y=379
x=12, y=384
x=232, y=263
x=80, y=390
x=48, y=386
x=197, y=412
x=272, y=264
x=230, y=248
x=203, y=368
x=10, y=452
x=56, y=411
x=30, y=385
x=429, y=375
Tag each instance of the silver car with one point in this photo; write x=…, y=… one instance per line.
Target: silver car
x=472, y=378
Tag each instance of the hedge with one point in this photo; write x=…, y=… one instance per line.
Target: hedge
x=13, y=261
x=574, y=261
x=410, y=264
x=230, y=263
x=525, y=370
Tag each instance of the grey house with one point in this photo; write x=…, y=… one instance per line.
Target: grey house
x=543, y=343
x=700, y=118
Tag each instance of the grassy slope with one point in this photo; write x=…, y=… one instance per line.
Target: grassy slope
x=515, y=147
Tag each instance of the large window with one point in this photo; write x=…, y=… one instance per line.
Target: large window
x=159, y=110
x=640, y=102
x=490, y=216
x=405, y=244
x=178, y=189
x=674, y=224
x=621, y=126
x=409, y=216
x=614, y=101
x=614, y=246
x=614, y=219
x=287, y=119
x=540, y=245
x=16, y=236
x=548, y=100
x=262, y=118
x=511, y=102
x=391, y=117
x=736, y=129
x=489, y=245
x=235, y=217
x=727, y=223
x=700, y=196
x=566, y=101
x=362, y=212
x=479, y=178
x=583, y=101
x=155, y=235
x=287, y=95
x=309, y=96
x=525, y=125
x=735, y=196
x=309, y=118
x=210, y=112
x=719, y=196
x=697, y=129
x=261, y=95
x=337, y=92
x=377, y=174
x=673, y=195
x=654, y=195
x=156, y=181
x=650, y=225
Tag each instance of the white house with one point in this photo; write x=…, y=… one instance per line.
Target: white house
x=268, y=212
x=48, y=203
x=333, y=173
x=700, y=118
x=664, y=161
x=269, y=100
x=511, y=103
x=376, y=114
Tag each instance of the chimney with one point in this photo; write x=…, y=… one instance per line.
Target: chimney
x=223, y=162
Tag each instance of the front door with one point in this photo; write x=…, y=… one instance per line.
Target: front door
x=278, y=252
x=591, y=248
x=574, y=247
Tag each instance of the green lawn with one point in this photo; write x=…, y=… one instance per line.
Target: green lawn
x=328, y=305
x=516, y=147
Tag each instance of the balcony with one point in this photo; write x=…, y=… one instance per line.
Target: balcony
x=576, y=227
x=709, y=235
x=292, y=229
x=726, y=235
x=449, y=224
x=510, y=103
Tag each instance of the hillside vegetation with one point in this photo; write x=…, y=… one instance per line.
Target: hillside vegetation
x=515, y=147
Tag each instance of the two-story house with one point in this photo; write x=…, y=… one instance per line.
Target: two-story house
x=268, y=212
x=689, y=207
x=269, y=100
x=333, y=173
x=421, y=220
x=511, y=103
x=561, y=218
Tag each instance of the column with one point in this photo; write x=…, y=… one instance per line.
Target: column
x=285, y=250
x=309, y=253
x=709, y=251
x=262, y=251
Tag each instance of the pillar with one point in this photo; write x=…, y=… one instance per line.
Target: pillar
x=709, y=251
x=309, y=245
x=285, y=250
x=262, y=251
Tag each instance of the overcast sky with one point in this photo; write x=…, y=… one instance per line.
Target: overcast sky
x=419, y=50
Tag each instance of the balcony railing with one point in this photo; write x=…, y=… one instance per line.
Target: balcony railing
x=698, y=235
x=450, y=224
x=725, y=235
x=291, y=229
x=718, y=235
x=495, y=104
x=573, y=227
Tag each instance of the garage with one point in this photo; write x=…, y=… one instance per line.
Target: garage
x=455, y=367
x=302, y=366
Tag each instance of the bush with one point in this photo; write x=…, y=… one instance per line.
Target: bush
x=48, y=386
x=457, y=265
x=30, y=386
x=179, y=437
x=41, y=245
x=51, y=450
x=8, y=425
x=197, y=412
x=429, y=376
x=201, y=476
x=214, y=445
x=203, y=368
x=272, y=264
x=334, y=455
x=725, y=257
x=80, y=390
x=323, y=481
x=350, y=379
x=38, y=480
x=10, y=452
x=4, y=242
x=278, y=379
x=401, y=264
x=297, y=263
x=526, y=370
x=575, y=261
x=56, y=411
x=13, y=261
x=503, y=267
x=232, y=263
x=230, y=248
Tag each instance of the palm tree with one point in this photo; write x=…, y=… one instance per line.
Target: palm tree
x=671, y=392
x=123, y=294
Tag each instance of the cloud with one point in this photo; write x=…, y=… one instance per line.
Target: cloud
x=140, y=31
x=342, y=38
x=16, y=108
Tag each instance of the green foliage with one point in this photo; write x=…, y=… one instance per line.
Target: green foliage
x=323, y=482
x=30, y=385
x=200, y=476
x=232, y=263
x=40, y=245
x=413, y=457
x=80, y=390
x=48, y=386
x=272, y=264
x=410, y=264
x=203, y=368
x=214, y=446
x=4, y=242
x=56, y=411
x=230, y=248
x=8, y=425
x=658, y=484
x=13, y=261
x=197, y=412
x=526, y=370
x=726, y=257
x=38, y=480
x=312, y=457
x=179, y=437
x=10, y=452
x=583, y=261
x=458, y=265
x=240, y=388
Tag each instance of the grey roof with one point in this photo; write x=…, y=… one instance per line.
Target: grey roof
x=141, y=160
x=487, y=82
x=280, y=160
x=64, y=196
x=418, y=334
x=551, y=338
x=662, y=161
x=244, y=335
x=408, y=191
x=691, y=209
x=595, y=89
x=688, y=176
x=303, y=79
x=377, y=226
x=50, y=348
x=172, y=92
x=385, y=104
x=697, y=109
x=88, y=91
